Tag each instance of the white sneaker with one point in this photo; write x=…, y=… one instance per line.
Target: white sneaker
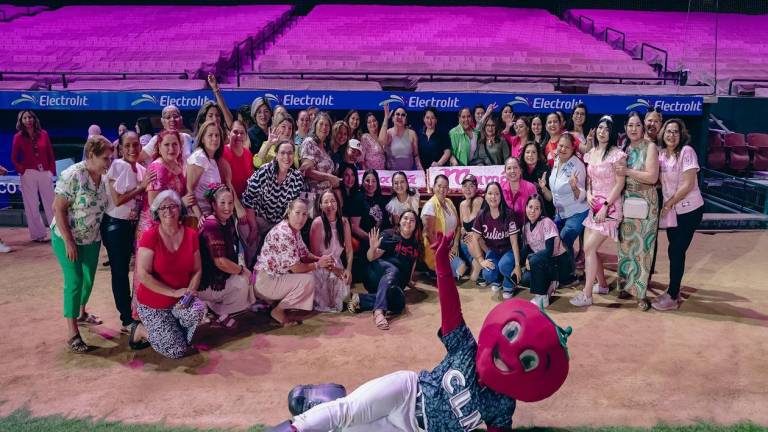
x=4, y=248
x=597, y=289
x=540, y=300
x=495, y=287
x=581, y=300
x=506, y=295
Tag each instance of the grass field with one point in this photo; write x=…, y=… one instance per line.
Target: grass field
x=21, y=421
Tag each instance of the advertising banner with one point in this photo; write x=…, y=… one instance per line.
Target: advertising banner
x=344, y=100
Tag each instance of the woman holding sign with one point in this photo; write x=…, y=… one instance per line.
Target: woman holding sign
x=439, y=215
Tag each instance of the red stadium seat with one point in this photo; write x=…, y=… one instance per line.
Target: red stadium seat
x=716, y=158
x=715, y=139
x=757, y=140
x=760, y=161
x=734, y=140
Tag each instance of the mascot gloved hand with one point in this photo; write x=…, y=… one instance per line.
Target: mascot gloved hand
x=521, y=355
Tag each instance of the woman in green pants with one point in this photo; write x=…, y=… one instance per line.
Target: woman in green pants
x=80, y=203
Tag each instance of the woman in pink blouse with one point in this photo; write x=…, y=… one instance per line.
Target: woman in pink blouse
x=285, y=267
x=32, y=155
x=683, y=204
x=516, y=190
x=604, y=188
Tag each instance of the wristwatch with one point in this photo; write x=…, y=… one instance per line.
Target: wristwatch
x=605, y=203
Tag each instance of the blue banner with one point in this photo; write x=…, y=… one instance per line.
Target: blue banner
x=344, y=100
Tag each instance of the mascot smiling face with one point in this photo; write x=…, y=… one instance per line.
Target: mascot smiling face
x=521, y=352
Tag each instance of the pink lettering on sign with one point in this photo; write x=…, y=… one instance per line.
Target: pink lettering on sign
x=483, y=174
x=416, y=179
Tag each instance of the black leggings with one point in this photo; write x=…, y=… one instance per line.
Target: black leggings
x=680, y=239
x=118, y=236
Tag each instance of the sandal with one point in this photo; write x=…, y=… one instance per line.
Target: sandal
x=77, y=346
x=353, y=306
x=89, y=319
x=380, y=320
x=140, y=345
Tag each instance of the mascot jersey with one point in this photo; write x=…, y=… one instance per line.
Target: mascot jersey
x=453, y=400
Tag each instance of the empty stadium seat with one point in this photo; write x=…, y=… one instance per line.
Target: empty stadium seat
x=411, y=40
x=141, y=39
x=738, y=152
x=716, y=155
x=689, y=38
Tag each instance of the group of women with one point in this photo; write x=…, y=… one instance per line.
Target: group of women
x=257, y=211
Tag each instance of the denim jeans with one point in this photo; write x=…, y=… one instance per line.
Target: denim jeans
x=545, y=270
x=504, y=266
x=572, y=229
x=385, y=288
x=118, y=236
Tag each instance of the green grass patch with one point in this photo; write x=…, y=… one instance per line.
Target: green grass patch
x=22, y=421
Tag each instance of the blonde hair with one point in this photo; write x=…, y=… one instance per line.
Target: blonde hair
x=96, y=145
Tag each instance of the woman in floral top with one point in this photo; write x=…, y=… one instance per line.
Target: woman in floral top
x=285, y=267
x=80, y=203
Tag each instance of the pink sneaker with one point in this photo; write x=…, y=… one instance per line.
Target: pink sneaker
x=664, y=303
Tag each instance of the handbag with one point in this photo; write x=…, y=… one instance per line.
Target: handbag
x=635, y=208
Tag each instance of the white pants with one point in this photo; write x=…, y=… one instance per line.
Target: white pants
x=385, y=404
x=32, y=182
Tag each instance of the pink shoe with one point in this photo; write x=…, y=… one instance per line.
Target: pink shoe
x=664, y=303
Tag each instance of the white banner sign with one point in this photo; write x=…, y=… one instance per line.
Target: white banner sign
x=483, y=174
x=416, y=179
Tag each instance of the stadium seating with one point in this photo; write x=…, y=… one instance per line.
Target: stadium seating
x=738, y=152
x=253, y=82
x=690, y=41
x=412, y=40
x=758, y=143
x=120, y=39
x=716, y=156
x=495, y=87
x=661, y=90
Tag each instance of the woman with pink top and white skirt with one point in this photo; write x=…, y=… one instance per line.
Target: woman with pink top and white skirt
x=604, y=189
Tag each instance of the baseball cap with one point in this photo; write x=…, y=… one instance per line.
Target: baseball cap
x=355, y=144
x=469, y=177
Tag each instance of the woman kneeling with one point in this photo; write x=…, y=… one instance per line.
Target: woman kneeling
x=168, y=267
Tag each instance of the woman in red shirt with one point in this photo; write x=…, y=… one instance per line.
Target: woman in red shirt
x=32, y=155
x=169, y=267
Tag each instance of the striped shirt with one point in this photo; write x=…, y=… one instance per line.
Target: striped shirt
x=268, y=198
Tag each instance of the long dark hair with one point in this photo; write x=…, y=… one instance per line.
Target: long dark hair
x=202, y=113
x=144, y=126
x=408, y=189
x=502, y=202
x=376, y=194
x=570, y=125
x=355, y=187
x=612, y=139
x=327, y=224
x=540, y=159
x=357, y=132
x=36, y=128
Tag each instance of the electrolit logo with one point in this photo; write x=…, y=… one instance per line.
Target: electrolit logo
x=519, y=100
x=144, y=98
x=305, y=100
x=25, y=98
x=551, y=104
x=640, y=103
x=392, y=99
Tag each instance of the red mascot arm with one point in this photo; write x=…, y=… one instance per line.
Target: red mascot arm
x=450, y=305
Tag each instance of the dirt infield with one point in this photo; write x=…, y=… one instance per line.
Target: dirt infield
x=704, y=362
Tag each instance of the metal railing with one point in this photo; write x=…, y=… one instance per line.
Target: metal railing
x=621, y=33
x=748, y=195
x=64, y=75
x=431, y=76
x=644, y=45
x=733, y=81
